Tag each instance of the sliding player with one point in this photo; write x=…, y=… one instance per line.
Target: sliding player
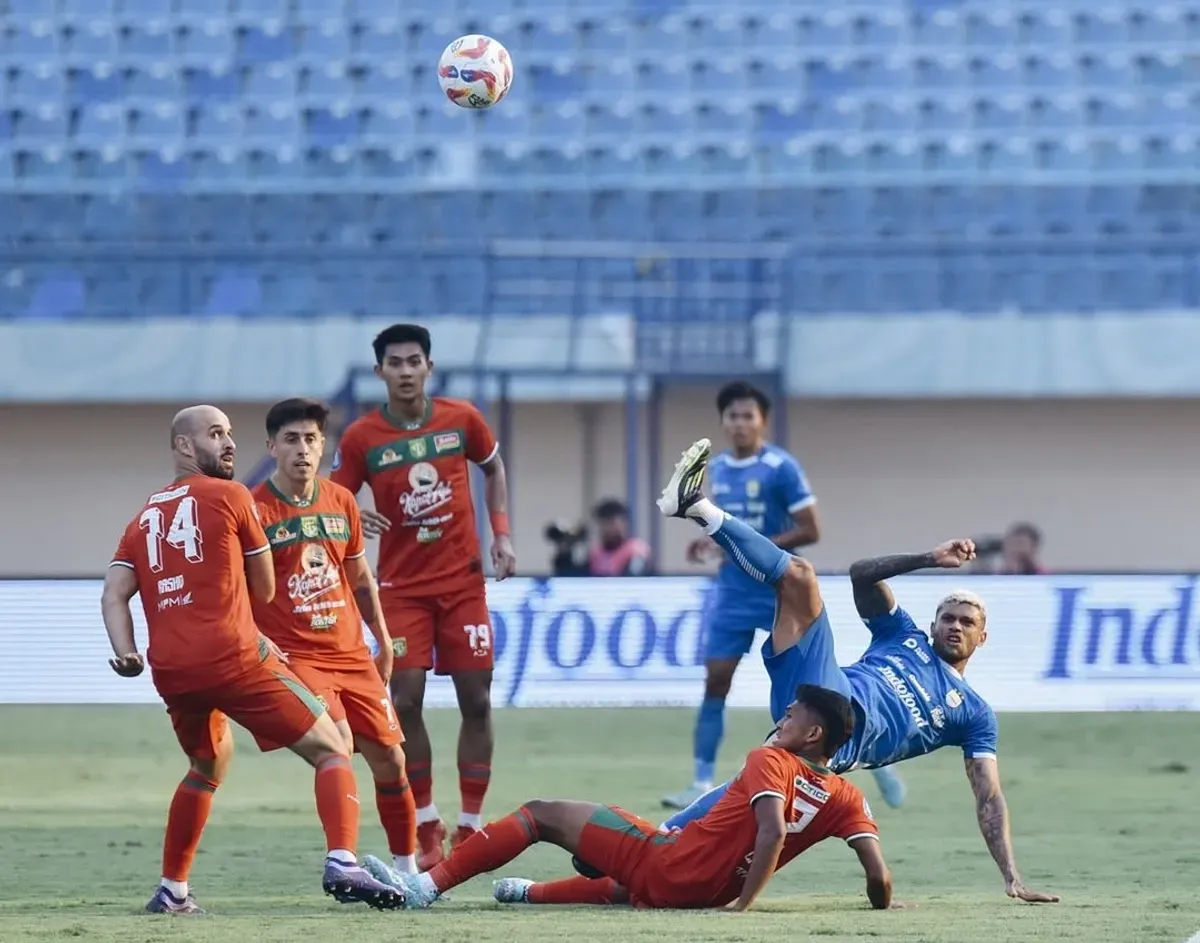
x=415, y=453
x=783, y=802
x=908, y=690
x=315, y=532
x=194, y=553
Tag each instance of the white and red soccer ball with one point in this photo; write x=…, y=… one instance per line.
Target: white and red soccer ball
x=475, y=71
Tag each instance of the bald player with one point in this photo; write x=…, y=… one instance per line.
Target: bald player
x=195, y=552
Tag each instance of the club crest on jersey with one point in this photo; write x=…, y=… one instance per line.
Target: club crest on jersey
x=399, y=647
x=445, y=442
x=954, y=699
x=752, y=488
x=416, y=448
x=309, y=528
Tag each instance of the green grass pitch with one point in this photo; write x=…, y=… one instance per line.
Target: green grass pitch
x=1104, y=813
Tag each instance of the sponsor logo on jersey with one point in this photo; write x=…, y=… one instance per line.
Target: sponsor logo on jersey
x=428, y=493
x=954, y=699
x=172, y=584
x=445, y=442
x=938, y=716
x=752, y=488
x=390, y=457
x=917, y=650
x=912, y=679
x=163, y=496
x=317, y=576
x=323, y=621
x=174, y=602
x=282, y=535
x=336, y=526
x=906, y=696
x=814, y=792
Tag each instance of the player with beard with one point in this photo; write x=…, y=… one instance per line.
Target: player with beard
x=194, y=553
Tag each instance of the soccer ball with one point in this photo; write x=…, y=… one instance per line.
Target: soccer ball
x=475, y=71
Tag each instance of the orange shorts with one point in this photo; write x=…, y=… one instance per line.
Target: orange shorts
x=452, y=635
x=269, y=701
x=355, y=695
x=624, y=846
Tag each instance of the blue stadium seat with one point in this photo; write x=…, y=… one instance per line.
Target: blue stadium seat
x=147, y=45
x=207, y=46
x=161, y=126
x=146, y=12
x=101, y=125
x=33, y=88
x=274, y=83
x=322, y=45
x=328, y=86
x=99, y=85
x=30, y=45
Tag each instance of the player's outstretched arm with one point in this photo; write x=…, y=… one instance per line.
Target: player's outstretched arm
x=873, y=597
x=992, y=812
x=879, y=878
x=120, y=586
x=768, y=844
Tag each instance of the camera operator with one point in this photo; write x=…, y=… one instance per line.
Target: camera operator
x=617, y=552
x=569, y=541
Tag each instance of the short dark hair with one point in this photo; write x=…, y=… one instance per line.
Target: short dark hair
x=401, y=334
x=835, y=710
x=609, y=508
x=1025, y=529
x=740, y=389
x=297, y=409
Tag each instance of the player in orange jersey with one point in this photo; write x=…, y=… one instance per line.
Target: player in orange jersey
x=415, y=454
x=194, y=553
x=316, y=538
x=783, y=802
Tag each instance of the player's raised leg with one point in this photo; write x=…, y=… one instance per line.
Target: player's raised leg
x=684, y=497
x=558, y=822
x=205, y=736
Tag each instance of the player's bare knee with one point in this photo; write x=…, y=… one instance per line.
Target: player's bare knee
x=475, y=703
x=544, y=813
x=388, y=767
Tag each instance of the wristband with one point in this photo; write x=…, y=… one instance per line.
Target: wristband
x=499, y=524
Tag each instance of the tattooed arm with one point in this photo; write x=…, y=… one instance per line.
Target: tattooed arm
x=992, y=812
x=873, y=598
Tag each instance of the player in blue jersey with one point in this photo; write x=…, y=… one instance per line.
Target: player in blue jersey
x=908, y=689
x=766, y=488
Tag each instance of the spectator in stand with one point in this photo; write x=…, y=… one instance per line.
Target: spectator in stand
x=616, y=552
x=1017, y=553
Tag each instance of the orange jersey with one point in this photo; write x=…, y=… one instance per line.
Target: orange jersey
x=313, y=615
x=420, y=481
x=714, y=853
x=187, y=547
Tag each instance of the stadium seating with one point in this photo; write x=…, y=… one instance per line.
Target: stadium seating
x=942, y=146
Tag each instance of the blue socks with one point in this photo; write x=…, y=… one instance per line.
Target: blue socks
x=754, y=554
x=710, y=728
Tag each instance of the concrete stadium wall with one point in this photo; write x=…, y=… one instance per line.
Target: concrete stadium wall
x=1114, y=484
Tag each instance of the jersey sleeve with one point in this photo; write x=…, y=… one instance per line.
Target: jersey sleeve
x=349, y=467
x=792, y=485
x=856, y=820
x=894, y=624
x=355, y=547
x=766, y=774
x=122, y=556
x=980, y=742
x=482, y=446
x=250, y=531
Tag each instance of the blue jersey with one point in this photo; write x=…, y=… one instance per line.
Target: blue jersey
x=909, y=702
x=764, y=491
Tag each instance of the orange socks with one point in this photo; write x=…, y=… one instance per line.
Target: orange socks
x=577, y=890
x=398, y=814
x=337, y=803
x=473, y=781
x=486, y=850
x=185, y=823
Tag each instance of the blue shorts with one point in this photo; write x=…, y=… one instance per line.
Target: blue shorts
x=730, y=624
x=810, y=661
